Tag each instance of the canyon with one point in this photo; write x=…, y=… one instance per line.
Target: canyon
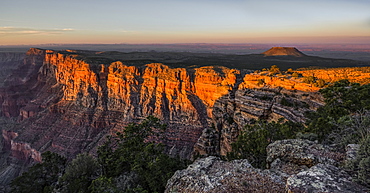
x=68, y=101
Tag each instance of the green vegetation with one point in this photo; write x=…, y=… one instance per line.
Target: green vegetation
x=261, y=82
x=274, y=69
x=41, y=177
x=343, y=120
x=342, y=99
x=313, y=80
x=129, y=162
x=254, y=138
x=296, y=75
x=320, y=83
x=79, y=174
x=291, y=103
x=130, y=152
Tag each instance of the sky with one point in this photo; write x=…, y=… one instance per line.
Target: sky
x=184, y=21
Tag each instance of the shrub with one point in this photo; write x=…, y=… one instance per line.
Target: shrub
x=79, y=173
x=41, y=177
x=309, y=79
x=342, y=98
x=289, y=71
x=274, y=69
x=361, y=165
x=253, y=140
x=285, y=102
x=260, y=82
x=132, y=152
x=320, y=83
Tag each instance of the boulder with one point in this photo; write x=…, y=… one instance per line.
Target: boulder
x=211, y=174
x=322, y=178
x=302, y=152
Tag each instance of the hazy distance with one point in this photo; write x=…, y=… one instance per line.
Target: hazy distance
x=179, y=21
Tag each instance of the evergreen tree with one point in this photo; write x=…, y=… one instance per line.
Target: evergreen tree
x=41, y=177
x=132, y=152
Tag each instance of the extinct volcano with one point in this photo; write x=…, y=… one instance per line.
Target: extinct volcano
x=283, y=51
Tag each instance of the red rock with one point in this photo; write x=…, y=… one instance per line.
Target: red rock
x=71, y=104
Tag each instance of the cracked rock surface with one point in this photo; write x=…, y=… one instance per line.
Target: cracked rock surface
x=211, y=174
x=322, y=178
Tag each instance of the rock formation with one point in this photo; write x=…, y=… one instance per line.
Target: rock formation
x=211, y=174
x=323, y=178
x=298, y=166
x=67, y=105
x=230, y=114
x=68, y=100
x=302, y=152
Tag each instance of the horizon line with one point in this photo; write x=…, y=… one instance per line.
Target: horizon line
x=197, y=43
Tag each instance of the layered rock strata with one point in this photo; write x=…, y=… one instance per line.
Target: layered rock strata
x=67, y=102
x=67, y=105
x=232, y=112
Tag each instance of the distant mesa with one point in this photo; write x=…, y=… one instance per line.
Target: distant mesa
x=283, y=51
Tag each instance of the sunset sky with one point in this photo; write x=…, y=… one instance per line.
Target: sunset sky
x=184, y=21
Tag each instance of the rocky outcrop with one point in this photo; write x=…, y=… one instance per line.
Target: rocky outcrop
x=211, y=174
x=323, y=178
x=309, y=167
x=18, y=150
x=291, y=156
x=302, y=152
x=298, y=166
x=232, y=112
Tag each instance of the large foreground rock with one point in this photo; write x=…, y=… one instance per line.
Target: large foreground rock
x=214, y=175
x=302, y=152
x=322, y=178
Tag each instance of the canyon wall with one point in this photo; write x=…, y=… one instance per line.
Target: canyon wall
x=67, y=104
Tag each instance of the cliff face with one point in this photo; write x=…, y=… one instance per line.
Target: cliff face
x=67, y=102
x=230, y=114
x=67, y=105
x=21, y=151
